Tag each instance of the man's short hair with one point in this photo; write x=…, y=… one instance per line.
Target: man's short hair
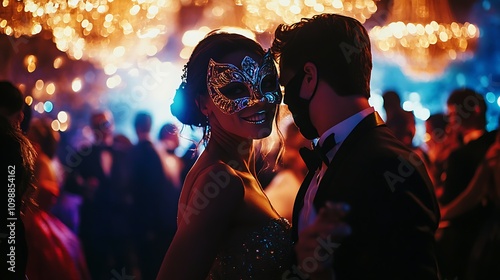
x=143, y=122
x=339, y=46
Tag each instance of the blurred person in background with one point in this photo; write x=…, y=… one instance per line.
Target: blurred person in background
x=55, y=251
x=285, y=184
x=483, y=187
x=155, y=199
x=174, y=165
x=105, y=224
x=439, y=144
x=17, y=159
x=399, y=121
x=402, y=123
x=467, y=118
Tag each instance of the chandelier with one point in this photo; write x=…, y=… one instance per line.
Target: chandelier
x=109, y=32
x=423, y=38
x=264, y=15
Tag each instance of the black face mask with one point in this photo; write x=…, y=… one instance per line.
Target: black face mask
x=299, y=107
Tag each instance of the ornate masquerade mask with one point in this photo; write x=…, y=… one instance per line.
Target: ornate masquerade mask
x=261, y=82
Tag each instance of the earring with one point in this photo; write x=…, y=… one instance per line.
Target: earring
x=206, y=131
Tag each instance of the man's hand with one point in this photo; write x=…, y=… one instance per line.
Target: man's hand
x=317, y=242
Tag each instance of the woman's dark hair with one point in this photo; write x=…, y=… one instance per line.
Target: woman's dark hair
x=215, y=45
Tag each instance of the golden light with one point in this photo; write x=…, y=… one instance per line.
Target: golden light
x=264, y=15
x=427, y=137
x=51, y=88
x=110, y=69
x=63, y=126
x=22, y=87
x=58, y=62
x=422, y=37
x=56, y=125
x=101, y=31
x=17, y=18
x=28, y=100
x=191, y=38
x=30, y=62
x=39, y=84
x=62, y=116
x=242, y=31
x=113, y=81
x=76, y=85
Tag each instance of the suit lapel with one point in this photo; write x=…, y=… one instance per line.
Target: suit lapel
x=371, y=121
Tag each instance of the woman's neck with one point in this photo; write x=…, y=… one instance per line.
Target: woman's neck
x=237, y=152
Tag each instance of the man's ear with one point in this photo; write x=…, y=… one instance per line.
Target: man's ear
x=201, y=102
x=310, y=80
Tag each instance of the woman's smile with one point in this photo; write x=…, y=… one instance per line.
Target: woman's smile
x=257, y=118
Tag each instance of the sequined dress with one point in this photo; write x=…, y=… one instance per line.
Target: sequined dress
x=265, y=253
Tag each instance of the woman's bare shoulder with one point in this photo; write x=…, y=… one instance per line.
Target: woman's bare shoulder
x=211, y=186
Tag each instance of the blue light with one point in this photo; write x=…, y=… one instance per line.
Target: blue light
x=485, y=81
x=461, y=80
x=490, y=97
x=48, y=106
x=486, y=5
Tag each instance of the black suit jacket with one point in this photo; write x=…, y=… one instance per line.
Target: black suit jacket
x=459, y=237
x=394, y=213
x=155, y=197
x=104, y=211
x=462, y=164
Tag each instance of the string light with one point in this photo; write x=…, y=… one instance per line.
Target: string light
x=103, y=31
x=264, y=15
x=423, y=38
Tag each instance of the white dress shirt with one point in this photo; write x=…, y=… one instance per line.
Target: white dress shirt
x=342, y=130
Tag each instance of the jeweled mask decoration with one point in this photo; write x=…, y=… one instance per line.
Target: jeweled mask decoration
x=261, y=82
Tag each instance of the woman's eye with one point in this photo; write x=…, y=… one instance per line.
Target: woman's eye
x=268, y=84
x=235, y=90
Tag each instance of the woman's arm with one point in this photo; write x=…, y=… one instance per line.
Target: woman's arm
x=204, y=223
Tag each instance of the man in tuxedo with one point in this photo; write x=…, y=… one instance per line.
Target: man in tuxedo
x=325, y=66
x=155, y=199
x=467, y=118
x=96, y=172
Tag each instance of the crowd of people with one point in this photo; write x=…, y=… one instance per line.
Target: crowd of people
x=346, y=194
x=106, y=208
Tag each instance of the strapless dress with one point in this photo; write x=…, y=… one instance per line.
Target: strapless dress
x=265, y=253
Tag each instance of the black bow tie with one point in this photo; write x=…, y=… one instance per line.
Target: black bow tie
x=314, y=157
